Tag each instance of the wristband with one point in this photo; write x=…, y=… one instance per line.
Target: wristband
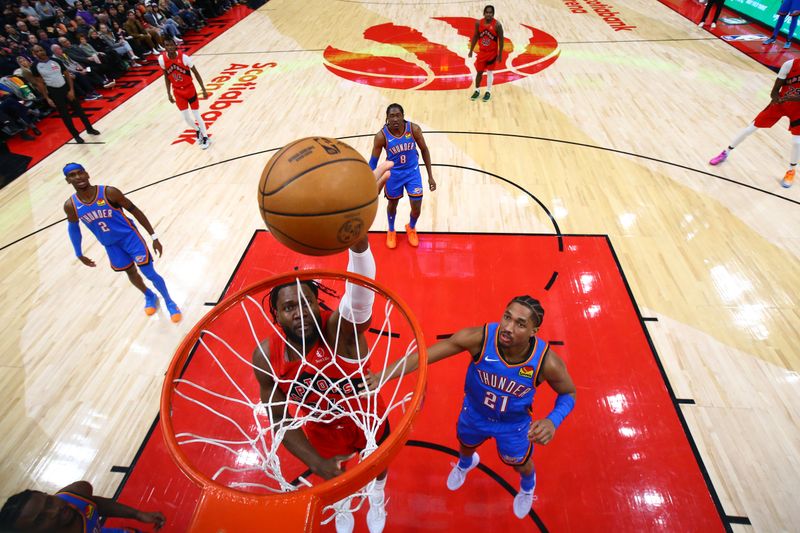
x=373, y=163
x=154, y=237
x=563, y=406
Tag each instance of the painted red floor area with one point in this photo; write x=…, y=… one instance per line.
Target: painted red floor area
x=621, y=461
x=772, y=56
x=53, y=130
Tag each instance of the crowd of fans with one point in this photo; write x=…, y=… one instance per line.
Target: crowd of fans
x=91, y=43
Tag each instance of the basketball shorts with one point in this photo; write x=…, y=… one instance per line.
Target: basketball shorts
x=511, y=438
x=340, y=437
x=789, y=6
x=482, y=62
x=774, y=112
x=410, y=181
x=185, y=98
x=128, y=251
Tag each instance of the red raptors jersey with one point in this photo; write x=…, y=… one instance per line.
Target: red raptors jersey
x=315, y=376
x=179, y=73
x=487, y=37
x=791, y=85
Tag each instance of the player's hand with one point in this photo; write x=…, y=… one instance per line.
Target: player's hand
x=542, y=431
x=86, y=261
x=157, y=247
x=372, y=382
x=431, y=184
x=330, y=468
x=382, y=173
x=171, y=99
x=152, y=518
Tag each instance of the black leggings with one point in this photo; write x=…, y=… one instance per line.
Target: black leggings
x=719, y=4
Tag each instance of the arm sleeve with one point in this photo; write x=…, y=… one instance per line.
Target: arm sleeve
x=161, y=61
x=74, y=230
x=188, y=61
x=356, y=304
x=785, y=68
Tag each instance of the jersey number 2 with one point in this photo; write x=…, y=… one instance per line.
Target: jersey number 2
x=103, y=226
x=490, y=401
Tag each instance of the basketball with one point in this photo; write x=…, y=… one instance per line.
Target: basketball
x=318, y=196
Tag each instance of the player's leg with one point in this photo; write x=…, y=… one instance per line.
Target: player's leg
x=489, y=80
x=705, y=14
x=137, y=250
x=720, y=4
x=516, y=450
x=471, y=433
x=122, y=261
x=788, y=178
x=393, y=192
x=78, y=110
x=762, y=121
x=182, y=101
x=478, y=77
x=792, y=28
x=783, y=12
x=203, y=137
x=414, y=190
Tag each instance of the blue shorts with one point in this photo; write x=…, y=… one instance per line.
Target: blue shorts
x=789, y=6
x=513, y=446
x=127, y=251
x=410, y=181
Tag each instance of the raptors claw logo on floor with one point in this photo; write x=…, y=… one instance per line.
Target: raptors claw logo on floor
x=439, y=68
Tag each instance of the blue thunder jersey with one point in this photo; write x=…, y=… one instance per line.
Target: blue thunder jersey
x=402, y=151
x=109, y=224
x=88, y=511
x=499, y=390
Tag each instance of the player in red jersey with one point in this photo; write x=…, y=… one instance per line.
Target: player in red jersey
x=489, y=35
x=297, y=361
x=178, y=69
x=785, y=103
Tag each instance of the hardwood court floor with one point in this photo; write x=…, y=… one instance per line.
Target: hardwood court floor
x=613, y=138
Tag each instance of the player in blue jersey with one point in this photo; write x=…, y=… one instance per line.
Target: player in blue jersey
x=400, y=139
x=100, y=208
x=73, y=509
x=508, y=363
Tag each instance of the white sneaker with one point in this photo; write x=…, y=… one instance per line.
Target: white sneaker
x=458, y=475
x=713, y=25
x=701, y=24
x=376, y=516
x=205, y=143
x=522, y=503
x=345, y=522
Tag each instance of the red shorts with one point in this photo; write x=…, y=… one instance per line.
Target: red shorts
x=774, y=112
x=186, y=98
x=341, y=437
x=482, y=62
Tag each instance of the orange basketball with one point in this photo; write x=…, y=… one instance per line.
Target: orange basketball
x=318, y=196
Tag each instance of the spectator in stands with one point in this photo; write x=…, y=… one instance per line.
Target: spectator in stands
x=17, y=118
x=100, y=65
x=164, y=25
x=7, y=63
x=56, y=86
x=146, y=39
x=84, y=78
x=27, y=9
x=85, y=14
x=119, y=45
x=45, y=10
x=107, y=55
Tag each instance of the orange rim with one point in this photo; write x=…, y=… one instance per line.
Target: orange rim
x=308, y=502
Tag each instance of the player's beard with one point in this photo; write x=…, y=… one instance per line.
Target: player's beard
x=312, y=334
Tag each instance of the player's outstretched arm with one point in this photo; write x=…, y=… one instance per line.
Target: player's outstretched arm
x=555, y=373
x=112, y=509
x=74, y=231
x=116, y=197
x=295, y=440
x=465, y=340
x=416, y=131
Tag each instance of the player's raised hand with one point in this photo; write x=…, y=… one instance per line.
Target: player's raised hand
x=542, y=431
x=86, y=261
x=152, y=518
x=331, y=467
x=372, y=382
x=157, y=248
x=382, y=173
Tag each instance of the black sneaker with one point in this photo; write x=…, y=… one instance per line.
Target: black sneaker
x=92, y=131
x=486, y=97
x=78, y=139
x=475, y=95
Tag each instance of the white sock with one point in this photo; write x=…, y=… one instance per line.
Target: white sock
x=187, y=116
x=489, y=80
x=380, y=484
x=742, y=136
x=795, y=151
x=200, y=123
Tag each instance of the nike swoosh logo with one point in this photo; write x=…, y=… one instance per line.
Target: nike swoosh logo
x=491, y=360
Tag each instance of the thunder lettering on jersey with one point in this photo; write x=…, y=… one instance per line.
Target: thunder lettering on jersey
x=500, y=390
x=178, y=70
x=108, y=223
x=315, y=380
x=791, y=84
x=402, y=151
x=487, y=37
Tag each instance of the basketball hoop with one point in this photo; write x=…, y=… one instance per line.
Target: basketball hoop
x=221, y=436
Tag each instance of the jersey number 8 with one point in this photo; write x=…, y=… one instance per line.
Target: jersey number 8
x=490, y=401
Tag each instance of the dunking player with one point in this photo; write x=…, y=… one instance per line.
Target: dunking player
x=400, y=138
x=489, y=36
x=178, y=69
x=785, y=102
x=322, y=446
x=508, y=363
x=100, y=207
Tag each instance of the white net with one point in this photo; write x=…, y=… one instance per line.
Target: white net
x=235, y=438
